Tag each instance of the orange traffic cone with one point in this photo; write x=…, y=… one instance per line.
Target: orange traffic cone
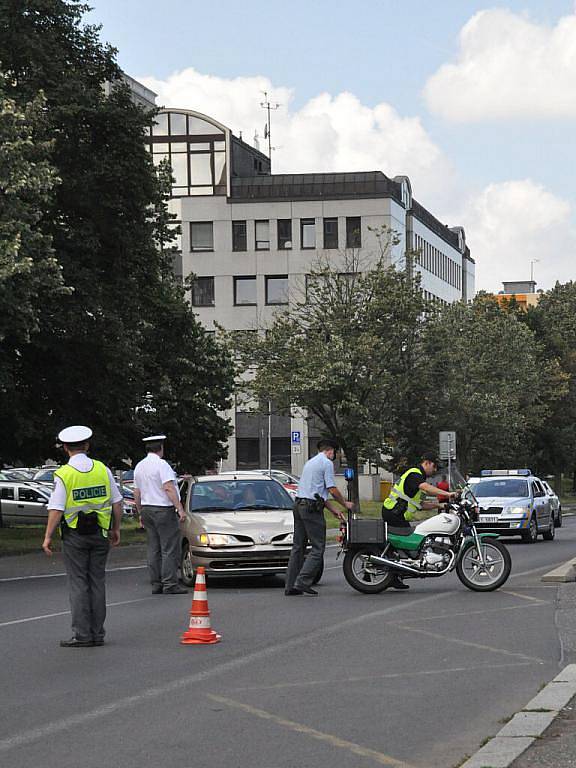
x=199, y=631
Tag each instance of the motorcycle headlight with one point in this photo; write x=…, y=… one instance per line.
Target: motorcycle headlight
x=517, y=511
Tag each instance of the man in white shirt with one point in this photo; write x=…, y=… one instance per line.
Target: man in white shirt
x=87, y=504
x=158, y=503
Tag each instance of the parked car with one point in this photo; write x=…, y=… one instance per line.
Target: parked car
x=128, y=501
x=19, y=474
x=23, y=503
x=513, y=502
x=235, y=525
x=45, y=475
x=554, y=503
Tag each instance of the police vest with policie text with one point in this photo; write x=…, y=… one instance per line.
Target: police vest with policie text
x=87, y=493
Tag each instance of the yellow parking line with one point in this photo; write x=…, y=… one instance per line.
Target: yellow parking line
x=334, y=741
x=524, y=597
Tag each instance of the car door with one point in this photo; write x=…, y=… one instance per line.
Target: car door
x=8, y=503
x=31, y=505
x=541, y=505
x=552, y=498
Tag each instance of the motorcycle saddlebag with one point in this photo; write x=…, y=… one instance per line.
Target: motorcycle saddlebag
x=365, y=531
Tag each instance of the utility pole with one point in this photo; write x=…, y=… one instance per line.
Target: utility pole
x=268, y=106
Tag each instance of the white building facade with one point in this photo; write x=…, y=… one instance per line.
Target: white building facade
x=250, y=238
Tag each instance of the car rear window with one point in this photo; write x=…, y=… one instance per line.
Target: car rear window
x=508, y=487
x=219, y=495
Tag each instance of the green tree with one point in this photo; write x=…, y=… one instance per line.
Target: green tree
x=344, y=350
x=487, y=382
x=103, y=351
x=553, y=321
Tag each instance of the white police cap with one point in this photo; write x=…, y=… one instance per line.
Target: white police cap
x=154, y=439
x=77, y=434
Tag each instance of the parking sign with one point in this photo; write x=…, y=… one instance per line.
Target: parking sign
x=296, y=438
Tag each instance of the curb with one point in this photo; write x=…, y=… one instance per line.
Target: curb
x=526, y=726
x=564, y=573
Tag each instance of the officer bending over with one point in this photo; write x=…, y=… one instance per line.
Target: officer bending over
x=405, y=498
x=316, y=484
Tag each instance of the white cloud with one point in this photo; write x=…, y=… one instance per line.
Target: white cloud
x=510, y=223
x=508, y=67
x=328, y=133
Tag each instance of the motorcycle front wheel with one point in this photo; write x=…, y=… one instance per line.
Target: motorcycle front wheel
x=488, y=577
x=362, y=575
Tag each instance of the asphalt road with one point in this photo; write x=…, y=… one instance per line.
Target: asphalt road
x=416, y=678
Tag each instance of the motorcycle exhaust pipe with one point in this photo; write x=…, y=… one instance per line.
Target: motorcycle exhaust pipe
x=376, y=560
x=394, y=564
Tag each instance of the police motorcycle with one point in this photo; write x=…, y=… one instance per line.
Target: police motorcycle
x=375, y=552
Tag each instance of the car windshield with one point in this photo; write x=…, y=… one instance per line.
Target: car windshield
x=218, y=495
x=45, y=476
x=509, y=487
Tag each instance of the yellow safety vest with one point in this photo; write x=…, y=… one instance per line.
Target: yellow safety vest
x=397, y=492
x=87, y=492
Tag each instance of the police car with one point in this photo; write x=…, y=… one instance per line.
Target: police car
x=513, y=502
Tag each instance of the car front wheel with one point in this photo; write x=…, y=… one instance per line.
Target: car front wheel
x=531, y=535
x=186, y=565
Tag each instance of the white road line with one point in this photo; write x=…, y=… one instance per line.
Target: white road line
x=53, y=575
x=66, y=613
x=82, y=718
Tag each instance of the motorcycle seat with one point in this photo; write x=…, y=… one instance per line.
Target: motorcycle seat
x=400, y=531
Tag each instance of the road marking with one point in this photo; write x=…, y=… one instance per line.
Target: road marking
x=550, y=566
x=467, y=643
x=388, y=676
x=334, y=741
x=66, y=613
x=57, y=726
x=524, y=597
x=53, y=575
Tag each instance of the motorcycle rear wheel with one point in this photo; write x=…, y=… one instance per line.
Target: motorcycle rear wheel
x=361, y=575
x=489, y=577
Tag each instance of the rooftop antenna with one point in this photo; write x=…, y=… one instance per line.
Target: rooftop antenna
x=256, y=140
x=268, y=106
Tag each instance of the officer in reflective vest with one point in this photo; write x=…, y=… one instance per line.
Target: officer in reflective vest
x=405, y=498
x=87, y=504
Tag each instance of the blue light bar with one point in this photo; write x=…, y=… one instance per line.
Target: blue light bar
x=505, y=472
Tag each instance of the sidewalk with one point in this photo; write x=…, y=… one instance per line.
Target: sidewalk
x=556, y=748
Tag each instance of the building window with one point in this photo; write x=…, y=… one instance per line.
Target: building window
x=239, y=240
x=284, y=234
x=262, y=229
x=307, y=233
x=277, y=289
x=281, y=457
x=247, y=452
x=245, y=291
x=203, y=292
x=353, y=232
x=201, y=236
x=331, y=233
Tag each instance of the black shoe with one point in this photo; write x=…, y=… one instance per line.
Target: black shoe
x=157, y=590
x=399, y=584
x=309, y=591
x=176, y=591
x=293, y=591
x=98, y=642
x=74, y=643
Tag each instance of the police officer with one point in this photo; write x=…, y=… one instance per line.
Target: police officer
x=158, y=503
x=316, y=483
x=405, y=499
x=87, y=504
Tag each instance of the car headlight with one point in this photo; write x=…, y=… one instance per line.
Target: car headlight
x=288, y=539
x=216, y=540
x=517, y=511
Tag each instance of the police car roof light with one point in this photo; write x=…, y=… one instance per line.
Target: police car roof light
x=505, y=472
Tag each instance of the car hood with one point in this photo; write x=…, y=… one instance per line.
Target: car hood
x=249, y=523
x=503, y=501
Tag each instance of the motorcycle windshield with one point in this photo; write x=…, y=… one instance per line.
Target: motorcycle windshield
x=460, y=483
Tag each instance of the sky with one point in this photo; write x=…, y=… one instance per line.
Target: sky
x=474, y=101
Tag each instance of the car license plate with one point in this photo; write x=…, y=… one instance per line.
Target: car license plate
x=489, y=518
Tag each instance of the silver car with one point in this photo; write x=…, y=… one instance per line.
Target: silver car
x=554, y=503
x=235, y=525
x=513, y=503
x=23, y=503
